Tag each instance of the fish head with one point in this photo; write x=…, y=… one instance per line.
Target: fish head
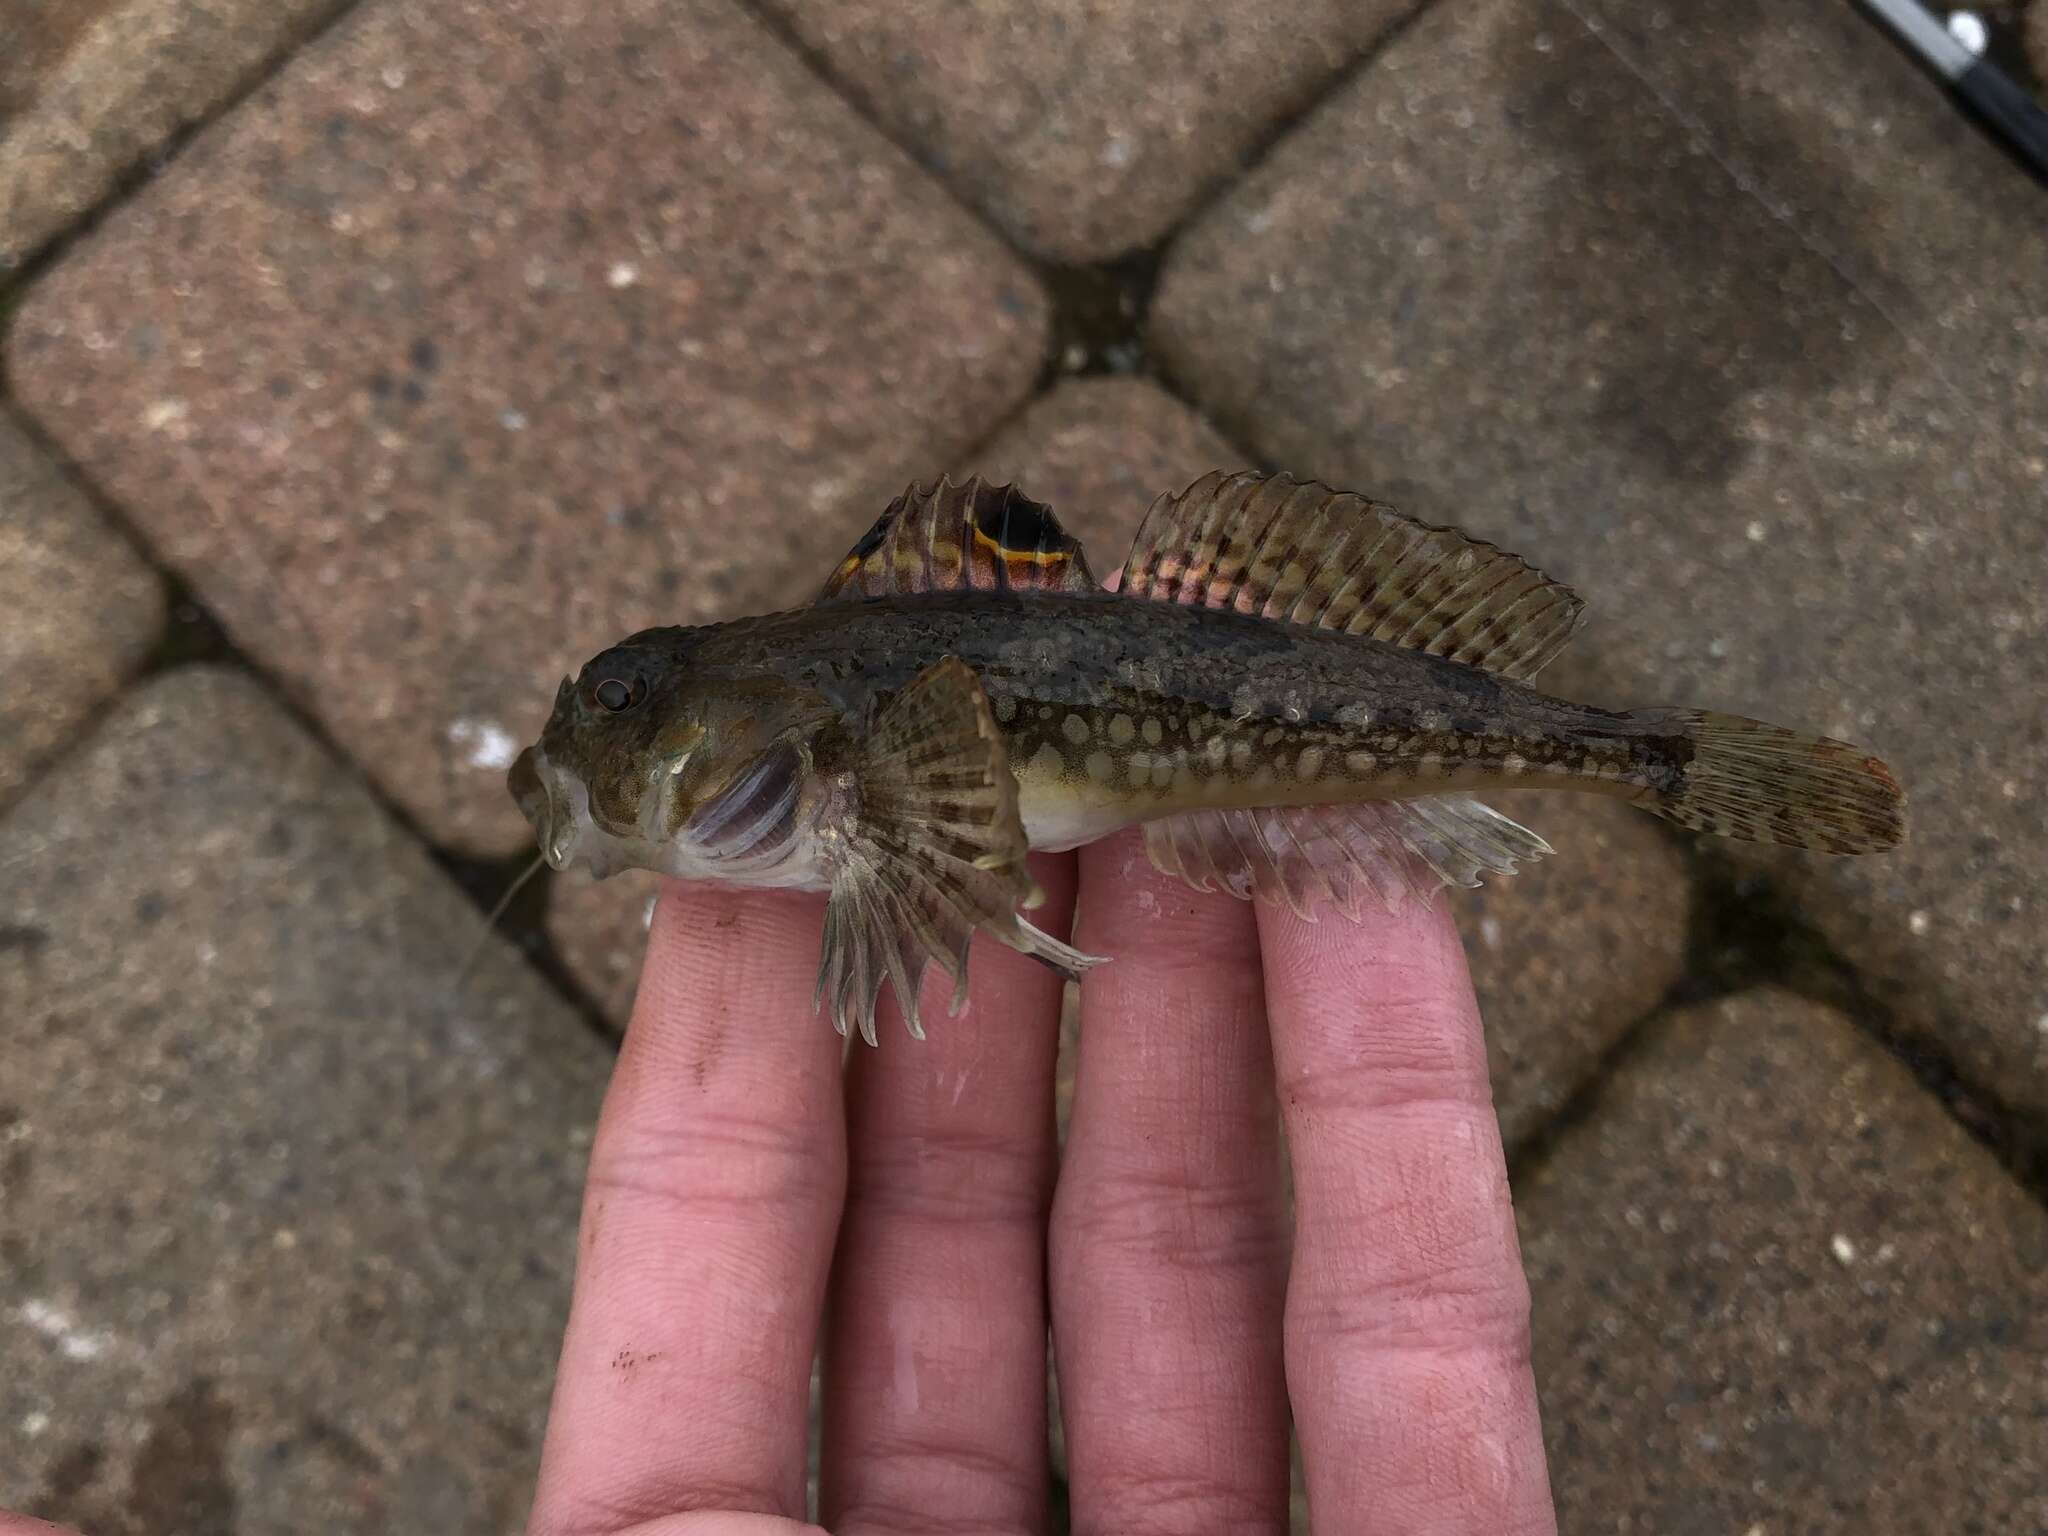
x=651, y=761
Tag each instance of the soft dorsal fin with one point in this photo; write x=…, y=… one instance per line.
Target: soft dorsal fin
x=956, y=538
x=1301, y=552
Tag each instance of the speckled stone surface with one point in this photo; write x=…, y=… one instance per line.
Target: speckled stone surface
x=1570, y=952
x=599, y=927
x=81, y=607
x=485, y=334
x=289, y=1220
x=1777, y=1289
x=1085, y=128
x=91, y=88
x=2037, y=37
x=1099, y=452
x=1496, y=281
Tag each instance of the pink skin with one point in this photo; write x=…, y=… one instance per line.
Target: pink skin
x=740, y=1204
x=727, y=1163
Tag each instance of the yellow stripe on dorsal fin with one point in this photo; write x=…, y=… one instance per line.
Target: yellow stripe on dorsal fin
x=961, y=538
x=1300, y=552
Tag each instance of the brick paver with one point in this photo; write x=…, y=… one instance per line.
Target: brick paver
x=1777, y=1289
x=1085, y=128
x=477, y=339
x=1569, y=952
x=1499, y=281
x=289, y=1217
x=81, y=608
x=91, y=88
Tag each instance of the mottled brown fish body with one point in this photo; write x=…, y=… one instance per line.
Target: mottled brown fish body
x=1116, y=711
x=1291, y=690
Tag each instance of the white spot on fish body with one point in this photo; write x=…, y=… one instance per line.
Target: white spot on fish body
x=1152, y=730
x=1101, y=767
x=1310, y=764
x=1120, y=730
x=1075, y=728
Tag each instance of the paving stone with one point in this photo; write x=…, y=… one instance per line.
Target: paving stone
x=1100, y=451
x=1084, y=127
x=1497, y=282
x=1777, y=1289
x=82, y=610
x=2037, y=37
x=1570, y=952
x=599, y=927
x=90, y=88
x=290, y=1218
x=484, y=334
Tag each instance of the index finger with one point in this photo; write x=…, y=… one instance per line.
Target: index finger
x=1407, y=1333
x=708, y=1222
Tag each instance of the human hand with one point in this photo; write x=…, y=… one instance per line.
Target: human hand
x=740, y=1195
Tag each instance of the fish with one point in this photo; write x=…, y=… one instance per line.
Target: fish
x=1294, y=690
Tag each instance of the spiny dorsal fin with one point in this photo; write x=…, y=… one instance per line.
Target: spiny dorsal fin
x=933, y=850
x=952, y=538
x=1394, y=851
x=1301, y=552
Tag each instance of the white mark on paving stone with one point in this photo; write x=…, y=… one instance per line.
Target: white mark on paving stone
x=1919, y=923
x=622, y=275
x=159, y=414
x=33, y=1423
x=1843, y=1250
x=1489, y=932
x=53, y=1322
x=512, y=421
x=488, y=743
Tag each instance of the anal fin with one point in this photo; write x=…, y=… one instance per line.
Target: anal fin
x=933, y=849
x=1344, y=856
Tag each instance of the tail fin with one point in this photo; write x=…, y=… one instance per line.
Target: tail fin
x=1765, y=784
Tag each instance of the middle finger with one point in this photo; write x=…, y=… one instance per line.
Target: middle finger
x=935, y=1379
x=1169, y=1229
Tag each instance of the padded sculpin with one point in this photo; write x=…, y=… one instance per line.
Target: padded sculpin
x=1294, y=689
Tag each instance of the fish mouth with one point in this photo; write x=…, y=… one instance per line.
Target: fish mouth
x=530, y=781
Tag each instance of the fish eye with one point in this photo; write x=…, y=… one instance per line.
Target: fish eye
x=615, y=695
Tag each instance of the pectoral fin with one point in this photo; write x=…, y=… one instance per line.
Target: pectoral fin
x=932, y=849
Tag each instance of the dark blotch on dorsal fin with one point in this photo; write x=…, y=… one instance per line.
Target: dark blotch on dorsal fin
x=955, y=538
x=1300, y=552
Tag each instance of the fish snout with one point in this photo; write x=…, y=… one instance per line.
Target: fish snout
x=529, y=781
